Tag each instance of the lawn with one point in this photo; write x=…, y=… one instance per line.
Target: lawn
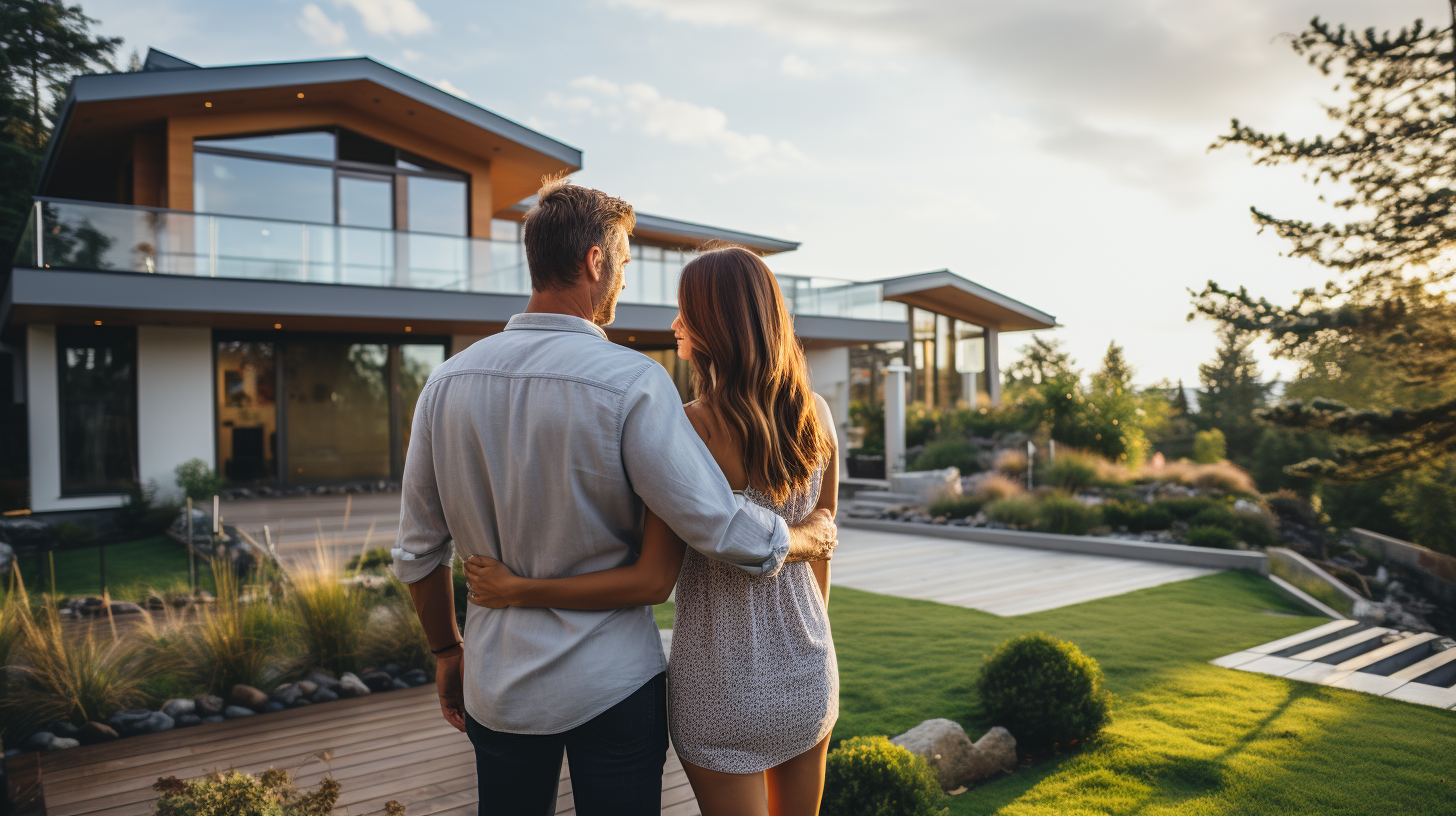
x=131, y=568
x=1186, y=737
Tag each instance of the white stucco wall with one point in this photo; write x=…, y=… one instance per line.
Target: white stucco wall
x=175, y=420
x=829, y=377
x=461, y=342
x=43, y=407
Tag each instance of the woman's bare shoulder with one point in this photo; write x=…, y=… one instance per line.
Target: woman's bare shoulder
x=702, y=419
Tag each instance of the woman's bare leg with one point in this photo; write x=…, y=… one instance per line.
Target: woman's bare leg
x=795, y=787
x=726, y=794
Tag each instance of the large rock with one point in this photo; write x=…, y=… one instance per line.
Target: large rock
x=950, y=753
x=323, y=695
x=929, y=485
x=94, y=732
x=140, y=721
x=306, y=687
x=378, y=680
x=416, y=677
x=62, y=743
x=287, y=694
x=351, y=686
x=179, y=707
x=233, y=712
x=39, y=741
x=209, y=705
x=246, y=696
x=322, y=679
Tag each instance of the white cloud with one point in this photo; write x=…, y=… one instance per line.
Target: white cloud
x=411, y=55
x=390, y=17
x=798, y=67
x=322, y=30
x=642, y=107
x=449, y=87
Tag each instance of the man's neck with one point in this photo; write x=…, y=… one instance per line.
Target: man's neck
x=576, y=302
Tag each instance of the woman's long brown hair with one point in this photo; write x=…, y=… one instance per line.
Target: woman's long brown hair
x=749, y=369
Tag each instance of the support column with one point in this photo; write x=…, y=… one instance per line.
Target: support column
x=895, y=416
x=993, y=365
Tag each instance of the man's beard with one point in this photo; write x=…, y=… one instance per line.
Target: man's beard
x=604, y=300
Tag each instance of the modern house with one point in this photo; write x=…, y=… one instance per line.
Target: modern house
x=259, y=265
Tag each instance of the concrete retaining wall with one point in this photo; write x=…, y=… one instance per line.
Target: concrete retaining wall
x=1091, y=545
x=1437, y=570
x=1297, y=570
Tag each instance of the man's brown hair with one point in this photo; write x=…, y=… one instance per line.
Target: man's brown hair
x=567, y=221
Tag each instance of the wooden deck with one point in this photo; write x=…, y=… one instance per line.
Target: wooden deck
x=380, y=747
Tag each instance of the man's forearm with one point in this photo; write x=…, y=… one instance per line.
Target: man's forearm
x=814, y=538
x=434, y=597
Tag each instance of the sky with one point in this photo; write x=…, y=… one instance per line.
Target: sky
x=1052, y=150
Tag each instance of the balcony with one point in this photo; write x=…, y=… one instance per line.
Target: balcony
x=88, y=236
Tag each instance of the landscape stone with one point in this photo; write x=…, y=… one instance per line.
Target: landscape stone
x=94, y=732
x=245, y=696
x=351, y=686
x=209, y=705
x=323, y=680
x=214, y=718
x=140, y=721
x=306, y=687
x=62, y=743
x=39, y=741
x=272, y=705
x=398, y=684
x=999, y=748
x=378, y=680
x=233, y=712
x=126, y=608
x=7, y=557
x=62, y=728
x=323, y=695
x=416, y=677
x=178, y=707
x=393, y=669
x=944, y=746
x=188, y=720
x=302, y=701
x=287, y=694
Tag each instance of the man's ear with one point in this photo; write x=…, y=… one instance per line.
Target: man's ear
x=595, y=263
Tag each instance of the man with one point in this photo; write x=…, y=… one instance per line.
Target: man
x=539, y=447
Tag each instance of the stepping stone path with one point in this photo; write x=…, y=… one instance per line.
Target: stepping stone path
x=1414, y=667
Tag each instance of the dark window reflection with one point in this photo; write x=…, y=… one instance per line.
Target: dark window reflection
x=247, y=412
x=317, y=145
x=415, y=364
x=228, y=185
x=338, y=411
x=97, y=372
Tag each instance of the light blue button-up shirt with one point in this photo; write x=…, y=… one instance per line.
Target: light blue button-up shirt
x=540, y=446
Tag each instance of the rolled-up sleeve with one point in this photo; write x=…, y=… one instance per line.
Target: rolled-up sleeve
x=673, y=473
x=424, y=537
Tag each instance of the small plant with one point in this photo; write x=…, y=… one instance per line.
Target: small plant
x=1209, y=536
x=1064, y=515
x=1014, y=511
x=197, y=480
x=1209, y=447
x=234, y=793
x=143, y=515
x=328, y=617
x=871, y=775
x=993, y=486
x=1043, y=690
x=1011, y=463
x=370, y=561
x=956, y=507
x=1136, y=516
x=944, y=453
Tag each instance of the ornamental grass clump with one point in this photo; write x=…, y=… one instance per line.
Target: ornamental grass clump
x=1045, y=691
x=993, y=486
x=957, y=507
x=1013, y=511
x=870, y=776
x=327, y=615
x=1061, y=514
x=232, y=642
x=395, y=634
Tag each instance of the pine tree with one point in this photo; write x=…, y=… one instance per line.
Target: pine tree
x=1041, y=361
x=1115, y=376
x=1232, y=392
x=1178, y=405
x=1391, y=298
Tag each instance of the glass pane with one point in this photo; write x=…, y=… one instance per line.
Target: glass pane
x=338, y=411
x=245, y=248
x=287, y=192
x=247, y=414
x=360, y=148
x=98, y=408
x=366, y=202
x=437, y=205
x=503, y=230
x=319, y=145
x=415, y=364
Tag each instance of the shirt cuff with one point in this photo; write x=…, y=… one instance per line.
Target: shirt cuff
x=411, y=567
x=762, y=532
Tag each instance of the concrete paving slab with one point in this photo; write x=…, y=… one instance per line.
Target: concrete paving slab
x=1301, y=637
x=1425, y=695
x=1278, y=666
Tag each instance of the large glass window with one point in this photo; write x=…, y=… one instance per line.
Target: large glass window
x=337, y=411
x=230, y=185
x=436, y=205
x=312, y=145
x=97, y=385
x=416, y=361
x=247, y=412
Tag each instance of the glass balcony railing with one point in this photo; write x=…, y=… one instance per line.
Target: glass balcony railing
x=88, y=236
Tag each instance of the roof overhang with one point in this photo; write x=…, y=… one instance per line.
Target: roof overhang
x=102, y=104
x=674, y=233
x=950, y=294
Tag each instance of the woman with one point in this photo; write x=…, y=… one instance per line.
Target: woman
x=753, y=686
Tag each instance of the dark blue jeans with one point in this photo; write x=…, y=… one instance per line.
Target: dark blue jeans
x=616, y=761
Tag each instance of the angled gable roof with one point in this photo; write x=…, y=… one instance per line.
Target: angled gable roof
x=950, y=294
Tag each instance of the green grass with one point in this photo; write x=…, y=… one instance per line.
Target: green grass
x=1186, y=737
x=665, y=614
x=131, y=567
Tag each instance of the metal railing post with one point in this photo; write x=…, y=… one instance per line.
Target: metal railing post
x=39, y=231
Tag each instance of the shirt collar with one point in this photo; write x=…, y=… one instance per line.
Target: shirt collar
x=552, y=321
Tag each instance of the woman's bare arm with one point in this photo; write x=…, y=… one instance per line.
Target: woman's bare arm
x=647, y=582
x=828, y=491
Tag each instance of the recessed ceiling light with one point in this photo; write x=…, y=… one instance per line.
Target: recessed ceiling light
x=206, y=104
x=409, y=328
x=277, y=325
x=98, y=322
x=631, y=338
x=300, y=94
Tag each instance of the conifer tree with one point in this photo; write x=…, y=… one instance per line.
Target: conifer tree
x=1115, y=376
x=1391, y=297
x=1232, y=392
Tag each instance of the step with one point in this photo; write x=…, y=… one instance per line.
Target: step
x=1337, y=646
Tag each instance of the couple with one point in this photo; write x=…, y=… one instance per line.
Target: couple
x=580, y=490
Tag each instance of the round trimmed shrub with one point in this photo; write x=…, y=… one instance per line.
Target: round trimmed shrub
x=1209, y=536
x=1066, y=516
x=944, y=453
x=870, y=776
x=1045, y=691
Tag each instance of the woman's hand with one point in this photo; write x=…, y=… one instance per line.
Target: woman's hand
x=491, y=583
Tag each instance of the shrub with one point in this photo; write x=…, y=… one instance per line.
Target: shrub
x=993, y=486
x=1011, y=463
x=1217, y=515
x=234, y=793
x=1185, y=509
x=1065, y=515
x=1256, y=529
x=1043, y=690
x=957, y=507
x=1014, y=511
x=327, y=615
x=197, y=480
x=870, y=776
x=142, y=515
x=1136, y=516
x=1209, y=447
x=370, y=560
x=1425, y=502
x=1072, y=473
x=944, y=453
x=1212, y=537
